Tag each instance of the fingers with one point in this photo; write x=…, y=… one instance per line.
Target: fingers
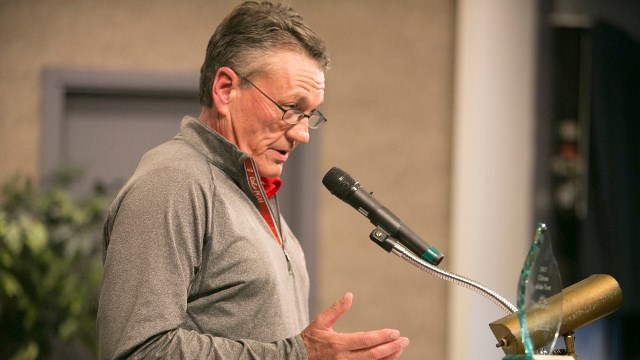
x=350, y=346
x=321, y=342
x=327, y=318
x=365, y=340
x=385, y=351
x=393, y=356
x=319, y=338
x=377, y=344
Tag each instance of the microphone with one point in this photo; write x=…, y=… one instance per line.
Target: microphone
x=345, y=188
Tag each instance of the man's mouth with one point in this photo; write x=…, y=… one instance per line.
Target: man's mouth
x=282, y=155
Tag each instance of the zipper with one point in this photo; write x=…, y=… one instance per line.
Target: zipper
x=284, y=247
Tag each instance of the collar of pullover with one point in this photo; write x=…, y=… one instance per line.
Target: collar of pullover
x=222, y=154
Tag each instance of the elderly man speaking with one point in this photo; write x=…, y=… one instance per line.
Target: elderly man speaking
x=198, y=261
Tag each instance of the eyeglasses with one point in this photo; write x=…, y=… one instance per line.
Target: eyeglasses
x=293, y=116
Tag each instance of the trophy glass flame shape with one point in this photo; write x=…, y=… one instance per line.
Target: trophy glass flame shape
x=539, y=280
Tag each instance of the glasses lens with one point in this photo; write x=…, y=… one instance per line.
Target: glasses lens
x=316, y=120
x=292, y=116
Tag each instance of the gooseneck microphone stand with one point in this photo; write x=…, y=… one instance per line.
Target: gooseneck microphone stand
x=391, y=245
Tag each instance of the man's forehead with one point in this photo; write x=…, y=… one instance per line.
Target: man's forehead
x=293, y=64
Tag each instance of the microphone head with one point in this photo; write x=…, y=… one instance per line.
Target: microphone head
x=338, y=182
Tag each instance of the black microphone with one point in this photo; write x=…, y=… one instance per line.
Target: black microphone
x=345, y=188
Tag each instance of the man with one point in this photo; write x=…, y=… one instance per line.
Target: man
x=198, y=261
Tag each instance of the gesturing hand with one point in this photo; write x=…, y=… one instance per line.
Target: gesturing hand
x=323, y=343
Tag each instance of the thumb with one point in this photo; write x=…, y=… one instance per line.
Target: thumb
x=327, y=318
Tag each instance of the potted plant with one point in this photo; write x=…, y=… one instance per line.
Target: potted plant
x=50, y=267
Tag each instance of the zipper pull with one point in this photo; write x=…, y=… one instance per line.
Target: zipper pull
x=286, y=256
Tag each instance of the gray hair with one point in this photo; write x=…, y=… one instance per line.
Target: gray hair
x=251, y=31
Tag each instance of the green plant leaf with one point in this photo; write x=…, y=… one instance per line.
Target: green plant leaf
x=29, y=352
x=10, y=285
x=12, y=238
x=35, y=234
x=68, y=329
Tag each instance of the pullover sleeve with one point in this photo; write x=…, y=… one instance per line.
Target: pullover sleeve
x=153, y=251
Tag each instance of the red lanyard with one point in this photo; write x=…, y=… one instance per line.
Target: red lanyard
x=258, y=193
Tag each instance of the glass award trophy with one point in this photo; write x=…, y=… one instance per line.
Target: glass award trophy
x=539, y=318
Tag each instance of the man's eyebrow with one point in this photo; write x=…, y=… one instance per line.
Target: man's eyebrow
x=303, y=100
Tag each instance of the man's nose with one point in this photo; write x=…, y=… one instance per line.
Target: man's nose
x=299, y=133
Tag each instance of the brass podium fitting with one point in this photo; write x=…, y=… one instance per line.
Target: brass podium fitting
x=582, y=303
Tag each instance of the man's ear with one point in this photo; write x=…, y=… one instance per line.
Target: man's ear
x=222, y=89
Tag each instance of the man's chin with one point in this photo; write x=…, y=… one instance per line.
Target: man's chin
x=271, y=170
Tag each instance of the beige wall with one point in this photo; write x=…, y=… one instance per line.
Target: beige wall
x=389, y=96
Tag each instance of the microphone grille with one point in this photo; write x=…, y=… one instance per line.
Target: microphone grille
x=338, y=182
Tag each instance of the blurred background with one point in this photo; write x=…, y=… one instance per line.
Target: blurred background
x=471, y=120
